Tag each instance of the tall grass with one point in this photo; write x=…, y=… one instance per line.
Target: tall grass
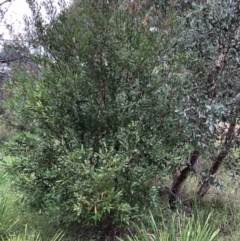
x=175, y=230
x=8, y=209
x=17, y=224
x=26, y=236
x=8, y=215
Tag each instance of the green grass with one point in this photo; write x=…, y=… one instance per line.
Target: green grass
x=8, y=209
x=34, y=237
x=22, y=224
x=179, y=228
x=224, y=203
x=8, y=215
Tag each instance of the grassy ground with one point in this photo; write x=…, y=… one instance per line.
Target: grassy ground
x=224, y=202
x=19, y=222
x=23, y=224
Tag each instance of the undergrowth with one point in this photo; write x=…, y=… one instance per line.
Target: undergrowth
x=217, y=216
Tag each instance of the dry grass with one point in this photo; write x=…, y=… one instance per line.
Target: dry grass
x=225, y=201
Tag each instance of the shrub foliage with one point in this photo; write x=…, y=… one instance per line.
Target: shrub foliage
x=100, y=112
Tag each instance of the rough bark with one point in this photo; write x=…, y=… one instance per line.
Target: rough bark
x=213, y=75
x=181, y=178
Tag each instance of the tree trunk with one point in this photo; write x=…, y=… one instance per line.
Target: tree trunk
x=218, y=161
x=181, y=178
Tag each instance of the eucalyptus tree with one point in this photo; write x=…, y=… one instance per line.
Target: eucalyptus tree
x=213, y=35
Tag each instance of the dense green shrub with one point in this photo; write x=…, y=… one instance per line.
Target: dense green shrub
x=20, y=143
x=102, y=114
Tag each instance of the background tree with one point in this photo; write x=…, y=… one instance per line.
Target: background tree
x=213, y=34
